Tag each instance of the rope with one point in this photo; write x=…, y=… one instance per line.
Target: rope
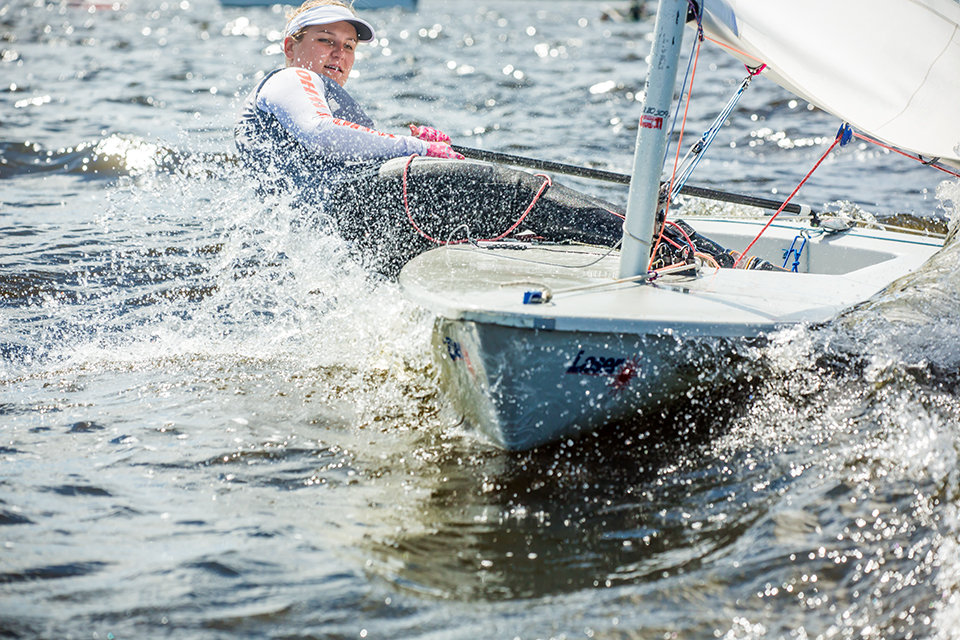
x=840, y=135
x=929, y=163
x=692, y=6
x=693, y=157
x=684, y=234
x=676, y=183
x=548, y=293
x=547, y=182
x=734, y=49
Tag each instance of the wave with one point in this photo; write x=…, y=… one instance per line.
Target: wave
x=112, y=157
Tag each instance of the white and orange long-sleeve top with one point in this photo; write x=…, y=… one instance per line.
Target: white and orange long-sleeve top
x=298, y=129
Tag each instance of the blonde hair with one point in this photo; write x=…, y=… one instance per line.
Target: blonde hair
x=310, y=4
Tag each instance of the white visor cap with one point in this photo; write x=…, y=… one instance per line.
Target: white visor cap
x=326, y=14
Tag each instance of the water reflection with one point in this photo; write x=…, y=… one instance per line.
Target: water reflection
x=806, y=489
x=597, y=512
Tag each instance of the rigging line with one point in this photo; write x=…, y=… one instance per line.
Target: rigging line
x=600, y=258
x=673, y=126
x=686, y=237
x=609, y=283
x=406, y=205
x=547, y=182
x=643, y=277
x=734, y=49
x=695, y=154
x=931, y=163
x=836, y=141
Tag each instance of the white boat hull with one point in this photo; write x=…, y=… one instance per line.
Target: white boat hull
x=529, y=374
x=523, y=388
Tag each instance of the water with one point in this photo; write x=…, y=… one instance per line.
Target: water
x=216, y=423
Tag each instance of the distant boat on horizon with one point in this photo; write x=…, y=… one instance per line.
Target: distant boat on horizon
x=409, y=5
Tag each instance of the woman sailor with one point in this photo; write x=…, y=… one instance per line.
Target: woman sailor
x=303, y=135
x=299, y=130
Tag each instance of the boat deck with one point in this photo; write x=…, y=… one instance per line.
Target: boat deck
x=481, y=282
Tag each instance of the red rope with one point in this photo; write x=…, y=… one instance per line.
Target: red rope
x=675, y=245
x=735, y=50
x=905, y=154
x=684, y=234
x=547, y=182
x=836, y=141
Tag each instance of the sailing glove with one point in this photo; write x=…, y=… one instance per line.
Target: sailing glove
x=442, y=150
x=429, y=134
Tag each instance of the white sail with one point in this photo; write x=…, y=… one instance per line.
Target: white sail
x=891, y=68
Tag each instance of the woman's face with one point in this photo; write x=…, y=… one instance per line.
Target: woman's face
x=327, y=49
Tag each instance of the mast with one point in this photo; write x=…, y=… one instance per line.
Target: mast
x=651, y=146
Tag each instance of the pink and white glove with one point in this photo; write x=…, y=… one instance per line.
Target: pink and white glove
x=442, y=150
x=429, y=134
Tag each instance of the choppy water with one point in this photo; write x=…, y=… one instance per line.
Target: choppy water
x=214, y=423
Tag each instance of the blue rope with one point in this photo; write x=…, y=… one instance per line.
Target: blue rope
x=676, y=114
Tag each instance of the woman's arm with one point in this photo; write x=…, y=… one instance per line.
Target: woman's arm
x=296, y=98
